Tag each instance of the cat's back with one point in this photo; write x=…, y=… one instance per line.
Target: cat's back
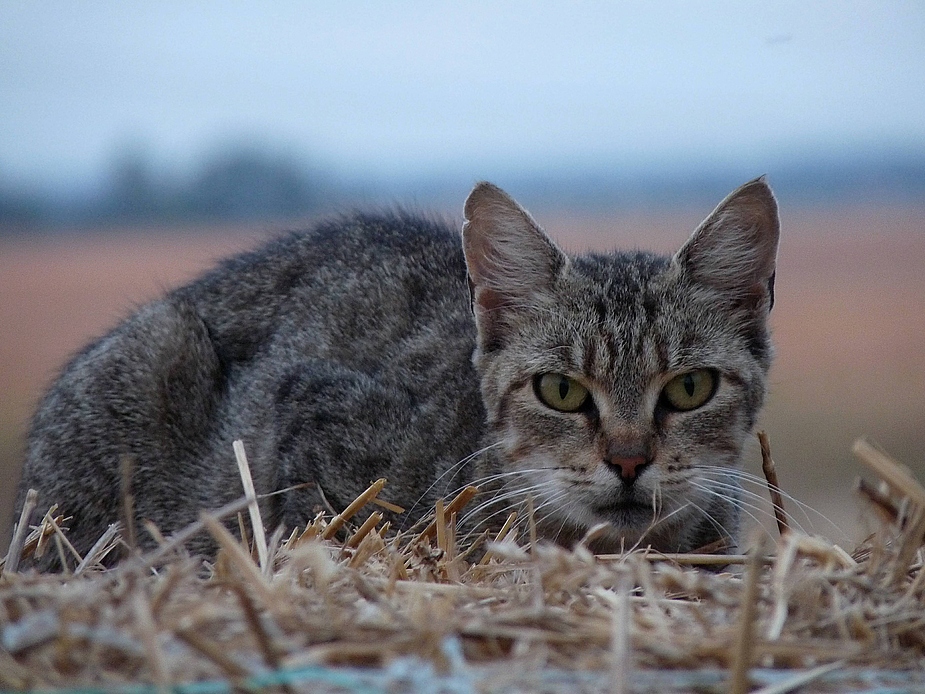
x=361, y=281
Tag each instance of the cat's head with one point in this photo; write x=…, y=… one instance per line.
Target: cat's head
x=622, y=387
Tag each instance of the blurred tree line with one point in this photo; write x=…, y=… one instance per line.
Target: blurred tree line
x=240, y=183
x=259, y=183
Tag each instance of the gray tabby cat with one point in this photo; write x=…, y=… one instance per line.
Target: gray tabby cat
x=613, y=389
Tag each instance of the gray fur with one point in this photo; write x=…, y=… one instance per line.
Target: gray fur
x=349, y=352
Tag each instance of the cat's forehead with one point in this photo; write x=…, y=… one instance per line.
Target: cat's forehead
x=617, y=285
x=626, y=316
x=629, y=270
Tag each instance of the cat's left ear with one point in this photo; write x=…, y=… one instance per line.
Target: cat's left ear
x=734, y=250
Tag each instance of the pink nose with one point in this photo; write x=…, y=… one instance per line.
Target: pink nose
x=628, y=466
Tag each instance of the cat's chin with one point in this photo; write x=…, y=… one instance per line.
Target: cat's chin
x=628, y=522
x=617, y=526
x=625, y=515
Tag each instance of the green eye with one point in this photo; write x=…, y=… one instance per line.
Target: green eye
x=560, y=392
x=691, y=390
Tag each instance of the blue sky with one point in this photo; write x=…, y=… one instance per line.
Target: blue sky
x=391, y=90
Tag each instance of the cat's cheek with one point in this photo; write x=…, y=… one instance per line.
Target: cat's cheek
x=712, y=435
x=525, y=424
x=564, y=457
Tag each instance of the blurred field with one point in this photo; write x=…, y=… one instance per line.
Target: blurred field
x=849, y=328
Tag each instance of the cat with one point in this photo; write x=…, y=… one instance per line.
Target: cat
x=616, y=391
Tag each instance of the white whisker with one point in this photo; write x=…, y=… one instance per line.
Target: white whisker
x=807, y=512
x=503, y=497
x=453, y=469
x=738, y=503
x=762, y=505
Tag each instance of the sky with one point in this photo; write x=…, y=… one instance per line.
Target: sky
x=395, y=89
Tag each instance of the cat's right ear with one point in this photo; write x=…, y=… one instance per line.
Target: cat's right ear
x=512, y=263
x=734, y=251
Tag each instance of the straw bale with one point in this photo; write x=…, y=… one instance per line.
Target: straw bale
x=345, y=593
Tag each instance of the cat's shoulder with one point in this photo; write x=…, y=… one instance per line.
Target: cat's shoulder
x=356, y=239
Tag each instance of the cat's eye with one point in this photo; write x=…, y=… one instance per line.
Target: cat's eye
x=560, y=392
x=690, y=390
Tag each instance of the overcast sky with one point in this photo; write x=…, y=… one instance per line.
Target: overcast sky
x=394, y=88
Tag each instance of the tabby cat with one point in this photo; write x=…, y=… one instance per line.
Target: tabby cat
x=616, y=391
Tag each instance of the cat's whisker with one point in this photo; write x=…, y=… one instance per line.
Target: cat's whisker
x=656, y=521
x=453, y=469
x=806, y=511
x=480, y=510
x=465, y=461
x=759, y=482
x=656, y=499
x=550, y=503
x=505, y=496
x=562, y=525
x=763, y=503
x=738, y=503
x=721, y=529
x=486, y=520
x=537, y=491
x=730, y=493
x=488, y=480
x=550, y=508
x=491, y=497
x=737, y=489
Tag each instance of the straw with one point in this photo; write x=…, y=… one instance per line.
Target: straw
x=414, y=606
x=253, y=508
x=770, y=474
x=14, y=553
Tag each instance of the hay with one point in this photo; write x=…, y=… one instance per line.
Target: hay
x=328, y=602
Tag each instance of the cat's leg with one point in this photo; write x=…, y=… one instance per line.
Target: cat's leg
x=145, y=393
x=340, y=429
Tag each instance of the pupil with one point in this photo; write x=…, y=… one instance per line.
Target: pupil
x=563, y=388
x=689, y=385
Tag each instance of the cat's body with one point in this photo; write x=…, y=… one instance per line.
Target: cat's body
x=350, y=352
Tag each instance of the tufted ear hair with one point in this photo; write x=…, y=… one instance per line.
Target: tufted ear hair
x=512, y=263
x=734, y=250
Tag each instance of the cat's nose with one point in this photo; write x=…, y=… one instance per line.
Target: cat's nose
x=628, y=467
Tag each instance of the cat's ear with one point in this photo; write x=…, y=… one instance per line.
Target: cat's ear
x=734, y=250
x=512, y=263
